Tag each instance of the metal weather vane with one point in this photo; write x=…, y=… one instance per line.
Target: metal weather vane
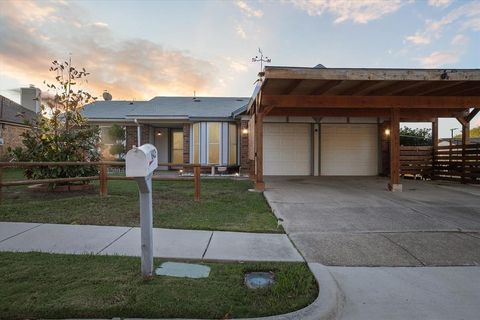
x=261, y=59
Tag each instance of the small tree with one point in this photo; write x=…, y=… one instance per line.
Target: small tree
x=415, y=137
x=116, y=134
x=60, y=132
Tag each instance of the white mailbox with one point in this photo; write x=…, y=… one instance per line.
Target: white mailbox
x=141, y=161
x=140, y=164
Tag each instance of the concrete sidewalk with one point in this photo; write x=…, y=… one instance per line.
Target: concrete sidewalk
x=168, y=243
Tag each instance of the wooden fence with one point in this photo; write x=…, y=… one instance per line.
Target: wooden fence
x=416, y=161
x=456, y=163
x=102, y=177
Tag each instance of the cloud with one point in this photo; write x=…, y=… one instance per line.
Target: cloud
x=459, y=40
x=467, y=15
x=439, y=3
x=361, y=11
x=100, y=24
x=438, y=59
x=418, y=38
x=241, y=32
x=237, y=66
x=249, y=11
x=128, y=68
x=463, y=18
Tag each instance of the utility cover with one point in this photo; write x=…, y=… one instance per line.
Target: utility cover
x=257, y=280
x=183, y=270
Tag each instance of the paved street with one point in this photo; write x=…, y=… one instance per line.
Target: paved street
x=428, y=293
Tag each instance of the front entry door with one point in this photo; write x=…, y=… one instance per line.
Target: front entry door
x=176, y=146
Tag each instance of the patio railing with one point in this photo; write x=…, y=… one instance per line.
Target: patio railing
x=102, y=177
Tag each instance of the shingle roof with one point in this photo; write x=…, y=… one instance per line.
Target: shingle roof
x=12, y=112
x=168, y=107
x=109, y=109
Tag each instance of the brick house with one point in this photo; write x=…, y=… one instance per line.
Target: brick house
x=206, y=130
x=12, y=125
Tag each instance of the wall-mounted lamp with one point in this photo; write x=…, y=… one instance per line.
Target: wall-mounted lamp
x=159, y=133
x=244, y=131
x=387, y=132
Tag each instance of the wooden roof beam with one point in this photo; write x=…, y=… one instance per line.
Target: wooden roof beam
x=434, y=102
x=406, y=114
x=277, y=72
x=472, y=114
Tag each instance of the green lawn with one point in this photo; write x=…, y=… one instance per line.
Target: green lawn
x=40, y=285
x=225, y=205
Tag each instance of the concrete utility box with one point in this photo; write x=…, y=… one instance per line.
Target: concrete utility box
x=141, y=161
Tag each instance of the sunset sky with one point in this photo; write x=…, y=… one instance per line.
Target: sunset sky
x=141, y=49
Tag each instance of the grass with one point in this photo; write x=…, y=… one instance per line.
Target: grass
x=40, y=285
x=225, y=205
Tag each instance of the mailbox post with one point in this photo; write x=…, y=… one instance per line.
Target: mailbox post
x=140, y=164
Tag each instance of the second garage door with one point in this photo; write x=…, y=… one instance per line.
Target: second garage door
x=286, y=149
x=349, y=150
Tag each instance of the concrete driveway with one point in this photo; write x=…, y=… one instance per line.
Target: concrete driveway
x=355, y=221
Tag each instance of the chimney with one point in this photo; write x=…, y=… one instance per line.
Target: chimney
x=30, y=98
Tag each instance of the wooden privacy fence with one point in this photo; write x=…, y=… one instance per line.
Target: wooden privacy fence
x=102, y=177
x=416, y=161
x=456, y=163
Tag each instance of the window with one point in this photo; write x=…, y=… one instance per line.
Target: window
x=177, y=146
x=232, y=143
x=214, y=142
x=196, y=143
x=105, y=135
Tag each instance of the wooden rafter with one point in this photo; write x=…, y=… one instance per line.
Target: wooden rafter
x=293, y=85
x=360, y=87
x=325, y=87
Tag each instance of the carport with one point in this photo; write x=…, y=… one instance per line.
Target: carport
x=349, y=116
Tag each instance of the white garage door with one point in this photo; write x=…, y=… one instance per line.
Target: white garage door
x=349, y=150
x=286, y=149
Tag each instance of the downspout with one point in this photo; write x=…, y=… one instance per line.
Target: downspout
x=139, y=132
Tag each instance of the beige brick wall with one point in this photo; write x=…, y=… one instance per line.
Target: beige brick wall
x=186, y=143
x=244, y=161
x=11, y=137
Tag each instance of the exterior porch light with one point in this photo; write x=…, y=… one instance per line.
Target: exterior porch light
x=387, y=132
x=244, y=131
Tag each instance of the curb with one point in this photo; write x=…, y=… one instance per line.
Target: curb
x=327, y=306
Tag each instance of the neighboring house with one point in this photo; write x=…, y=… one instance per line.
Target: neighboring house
x=12, y=121
x=448, y=141
x=206, y=130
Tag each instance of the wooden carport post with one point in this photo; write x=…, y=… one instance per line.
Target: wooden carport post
x=394, y=184
x=465, y=141
x=434, y=146
x=259, y=183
